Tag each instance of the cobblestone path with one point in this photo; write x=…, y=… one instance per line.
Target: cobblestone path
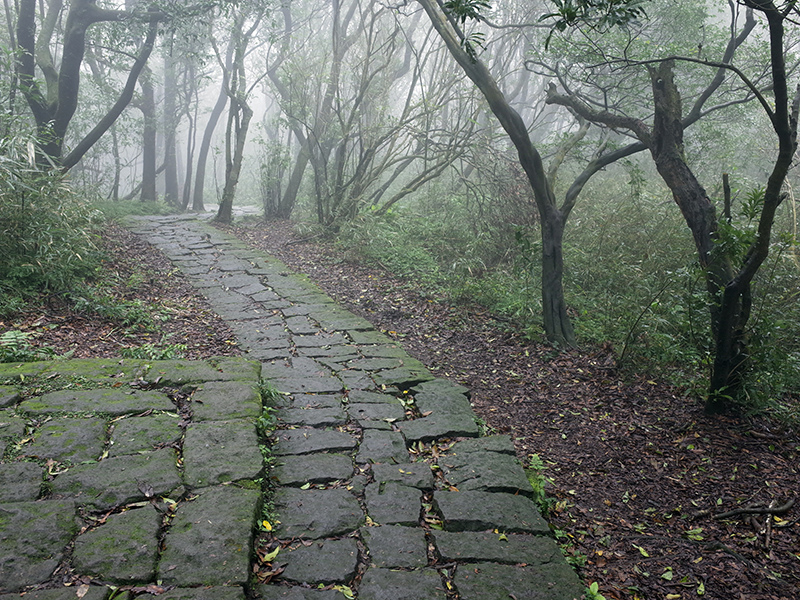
x=374, y=480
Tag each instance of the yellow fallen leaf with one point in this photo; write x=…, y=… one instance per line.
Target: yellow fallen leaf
x=82, y=590
x=271, y=556
x=266, y=525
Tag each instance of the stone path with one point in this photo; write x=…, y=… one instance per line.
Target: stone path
x=373, y=482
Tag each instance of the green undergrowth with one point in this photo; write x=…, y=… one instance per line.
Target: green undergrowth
x=632, y=282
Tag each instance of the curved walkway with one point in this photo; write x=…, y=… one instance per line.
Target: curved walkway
x=378, y=484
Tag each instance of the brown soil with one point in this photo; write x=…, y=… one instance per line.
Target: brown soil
x=636, y=472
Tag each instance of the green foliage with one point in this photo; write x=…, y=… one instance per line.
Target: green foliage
x=593, y=592
x=15, y=346
x=160, y=351
x=46, y=238
x=128, y=313
x=117, y=211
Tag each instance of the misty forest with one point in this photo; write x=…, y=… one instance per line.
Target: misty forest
x=583, y=210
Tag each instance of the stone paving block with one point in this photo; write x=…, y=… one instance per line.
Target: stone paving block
x=480, y=511
x=306, y=385
x=486, y=472
x=382, y=447
x=265, y=295
x=356, y=380
x=226, y=400
x=390, y=503
x=280, y=592
x=487, y=581
x=174, y=372
x=11, y=425
x=220, y=451
x=402, y=377
x=209, y=540
x=390, y=411
x=323, y=562
x=20, y=482
x=385, y=584
x=112, y=371
x=312, y=417
x=320, y=340
x=330, y=356
x=316, y=514
x=136, y=434
x=369, y=337
x=375, y=364
x=317, y=468
x=512, y=549
x=8, y=396
x=74, y=592
x=306, y=441
x=367, y=397
x=440, y=387
x=116, y=402
x=439, y=426
x=301, y=325
x=316, y=401
x=417, y=475
x=378, y=425
x=18, y=371
x=267, y=353
x=396, y=547
x=384, y=350
x=115, y=481
x=74, y=440
x=33, y=539
x=349, y=323
x=493, y=443
x=123, y=550
x=203, y=593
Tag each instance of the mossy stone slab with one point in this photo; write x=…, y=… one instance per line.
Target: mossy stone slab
x=138, y=434
x=313, y=401
x=375, y=364
x=322, y=563
x=123, y=550
x=395, y=547
x=14, y=372
x=8, y=396
x=115, y=402
x=309, y=440
x=20, y=482
x=282, y=592
x=174, y=372
x=11, y=425
x=367, y=397
x=69, y=439
x=393, y=504
x=317, y=468
x=217, y=452
x=204, y=593
x=480, y=511
x=115, y=481
x=209, y=540
x=385, y=584
x=225, y=400
x=33, y=539
x=98, y=369
x=511, y=548
x=315, y=514
x=95, y=592
x=487, y=581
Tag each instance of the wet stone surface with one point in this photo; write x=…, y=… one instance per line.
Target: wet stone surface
x=118, y=483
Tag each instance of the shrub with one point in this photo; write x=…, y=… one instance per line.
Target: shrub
x=46, y=238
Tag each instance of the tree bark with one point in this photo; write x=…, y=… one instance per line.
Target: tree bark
x=557, y=325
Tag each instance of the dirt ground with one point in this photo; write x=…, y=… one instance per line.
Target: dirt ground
x=638, y=479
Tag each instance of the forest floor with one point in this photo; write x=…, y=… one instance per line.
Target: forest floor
x=637, y=478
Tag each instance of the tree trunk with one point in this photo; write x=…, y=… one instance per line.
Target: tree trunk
x=234, y=167
x=557, y=325
x=171, y=191
x=148, y=107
